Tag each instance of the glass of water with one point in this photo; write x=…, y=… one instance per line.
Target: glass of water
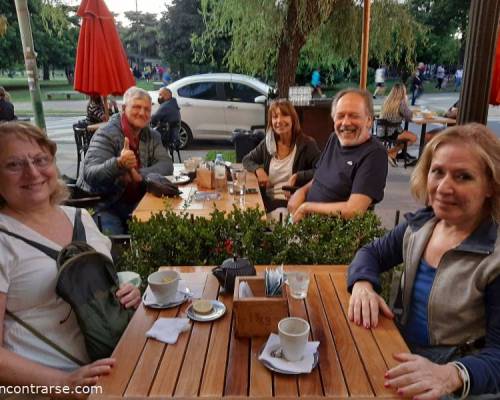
x=298, y=283
x=241, y=181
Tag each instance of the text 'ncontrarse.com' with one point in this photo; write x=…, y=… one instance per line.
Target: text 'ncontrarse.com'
x=48, y=390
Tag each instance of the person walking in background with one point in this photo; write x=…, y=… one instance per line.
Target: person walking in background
x=379, y=81
x=316, y=83
x=6, y=107
x=459, y=73
x=440, y=73
x=417, y=83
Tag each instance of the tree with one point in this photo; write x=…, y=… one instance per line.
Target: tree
x=141, y=38
x=54, y=34
x=178, y=24
x=270, y=37
x=446, y=20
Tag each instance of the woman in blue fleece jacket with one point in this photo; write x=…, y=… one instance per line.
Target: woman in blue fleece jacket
x=448, y=307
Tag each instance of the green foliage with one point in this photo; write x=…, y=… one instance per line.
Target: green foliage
x=169, y=239
x=271, y=38
x=141, y=38
x=229, y=155
x=55, y=34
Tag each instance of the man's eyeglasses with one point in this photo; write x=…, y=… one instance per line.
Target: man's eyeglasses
x=16, y=166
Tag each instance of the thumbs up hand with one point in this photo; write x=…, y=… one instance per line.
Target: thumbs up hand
x=127, y=157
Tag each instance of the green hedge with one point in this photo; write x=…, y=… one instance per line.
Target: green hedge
x=170, y=239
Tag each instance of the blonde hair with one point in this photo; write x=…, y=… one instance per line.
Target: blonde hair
x=28, y=132
x=482, y=141
x=391, y=106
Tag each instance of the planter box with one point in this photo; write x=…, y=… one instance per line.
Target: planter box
x=258, y=315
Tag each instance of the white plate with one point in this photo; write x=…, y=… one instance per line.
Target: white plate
x=219, y=309
x=180, y=298
x=178, y=179
x=282, y=371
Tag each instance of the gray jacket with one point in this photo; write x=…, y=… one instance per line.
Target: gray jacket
x=101, y=173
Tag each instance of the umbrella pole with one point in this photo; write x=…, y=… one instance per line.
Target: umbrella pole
x=106, y=109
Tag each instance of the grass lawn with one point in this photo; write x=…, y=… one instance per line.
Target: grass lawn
x=18, y=87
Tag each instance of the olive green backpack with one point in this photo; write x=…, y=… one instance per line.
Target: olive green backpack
x=87, y=280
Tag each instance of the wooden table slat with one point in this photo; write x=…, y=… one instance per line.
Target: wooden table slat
x=260, y=377
x=212, y=384
x=352, y=367
x=373, y=361
x=309, y=384
x=329, y=361
x=128, y=353
x=194, y=360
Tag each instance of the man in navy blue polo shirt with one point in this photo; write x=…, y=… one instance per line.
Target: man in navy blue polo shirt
x=352, y=171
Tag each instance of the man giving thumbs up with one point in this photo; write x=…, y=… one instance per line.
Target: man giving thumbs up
x=120, y=155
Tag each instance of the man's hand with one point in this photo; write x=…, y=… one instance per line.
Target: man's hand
x=365, y=305
x=418, y=378
x=129, y=295
x=297, y=199
x=300, y=213
x=127, y=157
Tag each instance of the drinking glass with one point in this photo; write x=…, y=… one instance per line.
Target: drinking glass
x=298, y=282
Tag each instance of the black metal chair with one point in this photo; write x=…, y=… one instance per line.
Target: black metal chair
x=82, y=141
x=170, y=137
x=387, y=132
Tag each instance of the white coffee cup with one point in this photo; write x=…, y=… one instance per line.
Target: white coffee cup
x=293, y=333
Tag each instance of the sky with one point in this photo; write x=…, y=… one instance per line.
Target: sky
x=120, y=6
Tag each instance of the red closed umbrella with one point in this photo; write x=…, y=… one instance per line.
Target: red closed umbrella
x=495, y=77
x=101, y=63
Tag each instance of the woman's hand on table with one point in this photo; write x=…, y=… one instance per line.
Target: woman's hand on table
x=365, y=305
x=129, y=295
x=292, y=181
x=262, y=177
x=87, y=376
x=421, y=379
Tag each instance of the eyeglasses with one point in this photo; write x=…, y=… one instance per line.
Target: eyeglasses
x=16, y=166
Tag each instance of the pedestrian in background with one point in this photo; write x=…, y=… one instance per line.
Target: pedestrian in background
x=379, y=81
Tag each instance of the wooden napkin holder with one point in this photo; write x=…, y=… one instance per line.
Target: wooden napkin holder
x=258, y=315
x=205, y=178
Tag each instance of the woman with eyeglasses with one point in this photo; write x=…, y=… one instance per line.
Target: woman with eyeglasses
x=285, y=157
x=30, y=196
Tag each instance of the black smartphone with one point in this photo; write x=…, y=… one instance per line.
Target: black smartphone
x=251, y=191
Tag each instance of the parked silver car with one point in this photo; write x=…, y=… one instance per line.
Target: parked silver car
x=214, y=105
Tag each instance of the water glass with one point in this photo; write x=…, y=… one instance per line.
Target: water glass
x=298, y=282
x=241, y=181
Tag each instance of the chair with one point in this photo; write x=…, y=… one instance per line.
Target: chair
x=170, y=137
x=82, y=141
x=387, y=132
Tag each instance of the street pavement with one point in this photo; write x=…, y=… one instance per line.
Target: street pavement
x=397, y=193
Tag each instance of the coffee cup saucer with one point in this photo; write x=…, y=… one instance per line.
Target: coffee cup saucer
x=150, y=301
x=276, y=350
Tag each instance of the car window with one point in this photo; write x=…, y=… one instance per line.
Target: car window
x=240, y=92
x=200, y=90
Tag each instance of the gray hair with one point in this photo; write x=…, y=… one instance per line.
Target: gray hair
x=135, y=92
x=363, y=93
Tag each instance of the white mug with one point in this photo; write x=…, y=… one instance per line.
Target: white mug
x=293, y=333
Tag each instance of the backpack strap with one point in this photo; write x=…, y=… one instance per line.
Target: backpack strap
x=44, y=249
x=78, y=228
x=44, y=338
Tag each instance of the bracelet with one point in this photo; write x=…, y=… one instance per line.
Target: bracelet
x=464, y=376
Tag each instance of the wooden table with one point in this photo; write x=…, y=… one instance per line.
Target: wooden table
x=209, y=362
x=429, y=120
x=151, y=204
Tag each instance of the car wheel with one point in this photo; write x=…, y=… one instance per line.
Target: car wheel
x=185, y=136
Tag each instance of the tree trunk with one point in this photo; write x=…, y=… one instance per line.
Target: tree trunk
x=292, y=40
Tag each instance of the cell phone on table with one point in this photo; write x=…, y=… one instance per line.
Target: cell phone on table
x=251, y=191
